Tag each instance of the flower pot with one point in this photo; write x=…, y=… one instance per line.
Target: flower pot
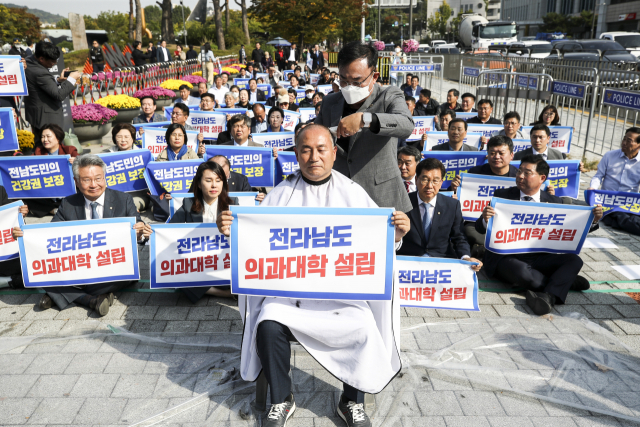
x=91, y=132
x=163, y=102
x=127, y=115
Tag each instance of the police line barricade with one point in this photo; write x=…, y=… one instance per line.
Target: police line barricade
x=436, y=138
x=188, y=255
x=316, y=253
x=476, y=191
x=560, y=138
x=436, y=283
x=307, y=114
x=324, y=89
x=564, y=175
x=208, y=123
x=422, y=125
x=34, y=177
x=12, y=79
x=279, y=140
x=245, y=198
x=520, y=144
x=74, y=253
x=8, y=133
x=614, y=201
x=430, y=67
x=171, y=176
x=618, y=110
x=456, y=162
x=125, y=169
x=256, y=163
x=153, y=140
x=286, y=164
x=529, y=227
x=291, y=119
x=9, y=214
x=468, y=78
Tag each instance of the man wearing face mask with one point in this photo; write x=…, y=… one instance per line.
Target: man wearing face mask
x=368, y=120
x=307, y=102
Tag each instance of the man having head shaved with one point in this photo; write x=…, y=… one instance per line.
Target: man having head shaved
x=360, y=348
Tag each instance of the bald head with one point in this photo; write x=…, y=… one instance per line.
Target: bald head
x=316, y=152
x=316, y=129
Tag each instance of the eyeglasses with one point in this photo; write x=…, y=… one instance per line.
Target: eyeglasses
x=355, y=84
x=176, y=114
x=427, y=182
x=526, y=173
x=87, y=181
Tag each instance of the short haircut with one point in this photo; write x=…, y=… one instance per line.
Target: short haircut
x=409, y=150
x=426, y=93
x=237, y=118
x=136, y=44
x=409, y=75
x=512, y=115
x=429, y=164
x=208, y=95
x=57, y=131
x=448, y=112
x=542, y=167
x=415, y=77
x=455, y=92
x=275, y=110
x=469, y=95
x=485, y=101
x=182, y=107
x=122, y=126
x=498, y=140
x=148, y=97
x=252, y=79
x=47, y=50
x=357, y=50
x=220, y=156
x=258, y=106
x=297, y=69
x=634, y=129
x=184, y=87
x=172, y=127
x=319, y=94
x=410, y=99
x=541, y=126
x=293, y=76
x=292, y=90
x=87, y=160
x=454, y=121
x=218, y=76
x=313, y=126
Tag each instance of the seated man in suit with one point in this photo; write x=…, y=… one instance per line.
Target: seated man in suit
x=408, y=159
x=259, y=120
x=255, y=95
x=238, y=132
x=93, y=201
x=540, y=135
x=436, y=220
x=414, y=89
x=457, y=133
x=548, y=277
x=236, y=181
x=485, y=108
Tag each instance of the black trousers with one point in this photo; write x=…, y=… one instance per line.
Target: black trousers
x=98, y=68
x=623, y=221
x=550, y=273
x=10, y=267
x=41, y=207
x=160, y=207
x=64, y=296
x=473, y=237
x=275, y=355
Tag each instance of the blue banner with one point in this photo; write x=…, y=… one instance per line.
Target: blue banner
x=307, y=114
x=573, y=90
x=125, y=169
x=621, y=98
x=266, y=89
x=521, y=144
x=168, y=177
x=412, y=68
x=241, y=83
x=614, y=201
x=470, y=71
x=232, y=111
x=457, y=162
x=528, y=82
x=8, y=135
x=280, y=140
x=169, y=110
x=300, y=95
x=34, y=177
x=286, y=164
x=256, y=163
x=564, y=175
x=324, y=89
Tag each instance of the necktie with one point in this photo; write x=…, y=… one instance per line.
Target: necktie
x=527, y=198
x=426, y=222
x=94, y=210
x=406, y=184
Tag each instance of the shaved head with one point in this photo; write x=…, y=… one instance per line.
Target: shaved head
x=315, y=152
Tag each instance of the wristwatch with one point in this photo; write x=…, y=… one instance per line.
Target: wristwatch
x=366, y=118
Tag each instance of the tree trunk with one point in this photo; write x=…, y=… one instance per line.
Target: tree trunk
x=166, y=25
x=227, y=16
x=130, y=19
x=218, y=20
x=138, y=21
x=245, y=21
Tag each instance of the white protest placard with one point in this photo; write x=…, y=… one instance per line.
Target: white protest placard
x=8, y=219
x=486, y=130
x=317, y=253
x=476, y=192
x=209, y=123
x=521, y=144
x=441, y=283
x=324, y=89
x=560, y=137
x=436, y=138
x=524, y=227
x=188, y=255
x=307, y=114
x=280, y=140
x=465, y=116
x=153, y=140
x=12, y=79
x=313, y=79
x=291, y=119
x=79, y=252
x=422, y=125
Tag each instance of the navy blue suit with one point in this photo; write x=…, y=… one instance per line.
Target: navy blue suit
x=409, y=91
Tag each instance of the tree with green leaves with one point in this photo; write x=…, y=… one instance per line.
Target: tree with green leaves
x=166, y=22
x=437, y=24
x=18, y=23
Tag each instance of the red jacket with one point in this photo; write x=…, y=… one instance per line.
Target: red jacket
x=62, y=150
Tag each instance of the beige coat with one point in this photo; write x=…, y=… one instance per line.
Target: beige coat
x=190, y=155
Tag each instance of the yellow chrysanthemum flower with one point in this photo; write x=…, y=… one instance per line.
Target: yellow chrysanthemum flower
x=173, y=84
x=119, y=102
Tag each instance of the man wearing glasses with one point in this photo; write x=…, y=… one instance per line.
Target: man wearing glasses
x=368, y=121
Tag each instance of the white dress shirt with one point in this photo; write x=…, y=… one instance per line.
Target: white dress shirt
x=253, y=96
x=544, y=154
x=99, y=208
x=218, y=93
x=617, y=172
x=412, y=184
x=244, y=144
x=292, y=55
x=210, y=213
x=535, y=197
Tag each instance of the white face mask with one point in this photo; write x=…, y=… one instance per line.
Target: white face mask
x=309, y=95
x=235, y=94
x=353, y=95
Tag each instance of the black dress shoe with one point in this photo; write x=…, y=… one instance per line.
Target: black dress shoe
x=580, y=284
x=540, y=302
x=477, y=252
x=16, y=282
x=45, y=302
x=100, y=304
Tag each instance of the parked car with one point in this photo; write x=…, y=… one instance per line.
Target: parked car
x=628, y=40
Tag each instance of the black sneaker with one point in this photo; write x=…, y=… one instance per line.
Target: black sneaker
x=540, y=302
x=45, y=302
x=280, y=413
x=353, y=414
x=580, y=284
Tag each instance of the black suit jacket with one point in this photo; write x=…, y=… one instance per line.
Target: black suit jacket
x=446, y=239
x=116, y=205
x=4, y=199
x=238, y=182
x=186, y=215
x=139, y=58
x=491, y=259
x=477, y=121
x=259, y=95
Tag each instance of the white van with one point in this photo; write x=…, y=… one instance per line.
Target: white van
x=435, y=43
x=629, y=40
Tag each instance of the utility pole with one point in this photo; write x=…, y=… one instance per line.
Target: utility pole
x=184, y=26
x=410, y=19
x=379, y=21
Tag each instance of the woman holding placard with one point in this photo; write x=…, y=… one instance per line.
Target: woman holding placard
x=275, y=119
x=210, y=197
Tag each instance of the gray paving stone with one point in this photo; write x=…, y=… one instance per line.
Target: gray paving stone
x=512, y=310
x=44, y=327
x=17, y=411
x=126, y=364
x=489, y=298
x=175, y=385
x=12, y=300
x=479, y=403
x=203, y=313
x=139, y=312
x=135, y=386
x=16, y=385
x=53, y=386
x=49, y=364
x=600, y=311
x=214, y=326
x=138, y=410
x=229, y=313
x=13, y=329
x=601, y=298
x=141, y=326
x=181, y=326
x=466, y=422
x=629, y=326
x=516, y=405
x=56, y=411
x=129, y=299
x=629, y=311
x=163, y=299
x=172, y=313
x=88, y=363
x=553, y=421
x=597, y=421
x=94, y=385
x=106, y=410
x=510, y=421
x=15, y=364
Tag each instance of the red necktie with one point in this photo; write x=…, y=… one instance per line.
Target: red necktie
x=406, y=184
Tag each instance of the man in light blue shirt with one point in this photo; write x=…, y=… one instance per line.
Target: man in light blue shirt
x=619, y=170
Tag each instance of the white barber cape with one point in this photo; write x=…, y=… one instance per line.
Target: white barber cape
x=354, y=340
